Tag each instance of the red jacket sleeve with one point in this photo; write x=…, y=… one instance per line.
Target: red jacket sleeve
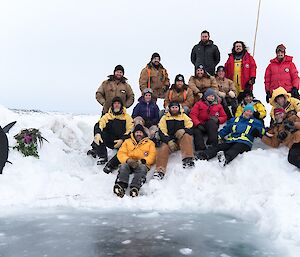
x=252, y=67
x=222, y=115
x=268, y=78
x=294, y=75
x=194, y=114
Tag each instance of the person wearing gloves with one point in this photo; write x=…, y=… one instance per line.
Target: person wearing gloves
x=248, y=98
x=111, y=130
x=200, y=82
x=136, y=155
x=285, y=131
x=227, y=92
x=238, y=135
x=206, y=116
x=181, y=93
x=281, y=72
x=175, y=130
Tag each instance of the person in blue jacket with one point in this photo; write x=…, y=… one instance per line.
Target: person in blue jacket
x=147, y=109
x=238, y=136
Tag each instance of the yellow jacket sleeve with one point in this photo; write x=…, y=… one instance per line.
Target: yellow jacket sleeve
x=150, y=159
x=123, y=152
x=103, y=121
x=187, y=121
x=239, y=111
x=129, y=124
x=261, y=109
x=163, y=125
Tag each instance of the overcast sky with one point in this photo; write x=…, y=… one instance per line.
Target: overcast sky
x=55, y=53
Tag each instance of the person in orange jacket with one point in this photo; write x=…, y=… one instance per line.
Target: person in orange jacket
x=136, y=155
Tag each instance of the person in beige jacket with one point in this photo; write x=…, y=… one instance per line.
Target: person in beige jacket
x=155, y=76
x=115, y=86
x=200, y=82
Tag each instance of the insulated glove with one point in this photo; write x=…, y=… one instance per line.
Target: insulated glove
x=295, y=92
x=173, y=146
x=215, y=119
x=132, y=163
x=255, y=133
x=268, y=96
x=231, y=94
x=221, y=94
x=98, y=139
x=179, y=133
x=256, y=114
x=282, y=135
x=118, y=143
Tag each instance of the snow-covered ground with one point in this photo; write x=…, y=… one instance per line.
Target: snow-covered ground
x=260, y=186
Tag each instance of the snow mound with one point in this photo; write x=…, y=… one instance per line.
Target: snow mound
x=260, y=186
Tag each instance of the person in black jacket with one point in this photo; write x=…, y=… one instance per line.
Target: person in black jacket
x=206, y=53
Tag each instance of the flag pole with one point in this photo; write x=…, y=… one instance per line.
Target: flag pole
x=257, y=19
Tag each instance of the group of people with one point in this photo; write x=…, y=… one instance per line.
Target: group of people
x=193, y=113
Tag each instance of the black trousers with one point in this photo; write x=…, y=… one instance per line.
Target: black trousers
x=228, y=101
x=294, y=155
x=209, y=128
x=231, y=150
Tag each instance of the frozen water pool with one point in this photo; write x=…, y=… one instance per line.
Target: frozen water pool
x=70, y=233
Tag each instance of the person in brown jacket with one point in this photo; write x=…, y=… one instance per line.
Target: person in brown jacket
x=155, y=76
x=181, y=93
x=227, y=92
x=116, y=85
x=200, y=82
x=286, y=131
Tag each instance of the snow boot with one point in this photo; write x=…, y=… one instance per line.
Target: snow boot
x=119, y=190
x=200, y=155
x=92, y=152
x=134, y=192
x=221, y=158
x=108, y=168
x=102, y=160
x=188, y=162
x=158, y=175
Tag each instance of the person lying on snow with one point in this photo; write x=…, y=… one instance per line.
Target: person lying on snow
x=175, y=130
x=111, y=130
x=238, y=136
x=285, y=131
x=136, y=155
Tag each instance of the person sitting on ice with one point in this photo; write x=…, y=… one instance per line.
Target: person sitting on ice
x=248, y=98
x=281, y=98
x=111, y=130
x=136, y=155
x=206, y=115
x=181, y=93
x=238, y=135
x=285, y=131
x=227, y=92
x=175, y=130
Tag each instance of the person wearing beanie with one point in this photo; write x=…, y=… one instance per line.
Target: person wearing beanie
x=111, y=130
x=248, y=98
x=281, y=98
x=115, y=85
x=236, y=137
x=207, y=114
x=281, y=72
x=201, y=81
x=241, y=68
x=206, y=53
x=181, y=93
x=227, y=92
x=136, y=156
x=155, y=76
x=285, y=130
x=175, y=131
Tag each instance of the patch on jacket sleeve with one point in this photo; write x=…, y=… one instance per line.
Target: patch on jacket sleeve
x=123, y=91
x=146, y=154
x=287, y=70
x=247, y=65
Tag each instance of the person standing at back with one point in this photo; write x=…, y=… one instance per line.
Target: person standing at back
x=241, y=68
x=206, y=53
x=155, y=76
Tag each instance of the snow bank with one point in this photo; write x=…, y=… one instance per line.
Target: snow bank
x=260, y=186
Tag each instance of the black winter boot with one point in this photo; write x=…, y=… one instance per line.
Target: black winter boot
x=119, y=189
x=188, y=162
x=134, y=192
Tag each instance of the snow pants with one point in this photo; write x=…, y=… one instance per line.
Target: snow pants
x=186, y=148
x=228, y=101
x=210, y=128
x=294, y=155
x=231, y=150
x=139, y=175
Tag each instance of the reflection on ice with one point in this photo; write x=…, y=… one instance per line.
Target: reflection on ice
x=96, y=234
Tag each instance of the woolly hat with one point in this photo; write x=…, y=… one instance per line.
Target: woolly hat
x=248, y=107
x=119, y=67
x=179, y=77
x=208, y=92
x=155, y=55
x=200, y=66
x=220, y=68
x=281, y=48
x=139, y=127
x=279, y=110
x=173, y=103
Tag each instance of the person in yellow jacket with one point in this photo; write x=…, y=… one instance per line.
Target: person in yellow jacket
x=111, y=130
x=175, y=131
x=136, y=155
x=248, y=98
x=282, y=99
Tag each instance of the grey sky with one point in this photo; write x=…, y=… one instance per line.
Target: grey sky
x=55, y=53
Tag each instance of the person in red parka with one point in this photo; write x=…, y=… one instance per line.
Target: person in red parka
x=281, y=72
x=206, y=116
x=241, y=68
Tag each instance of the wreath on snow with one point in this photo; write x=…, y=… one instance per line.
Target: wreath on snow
x=28, y=141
